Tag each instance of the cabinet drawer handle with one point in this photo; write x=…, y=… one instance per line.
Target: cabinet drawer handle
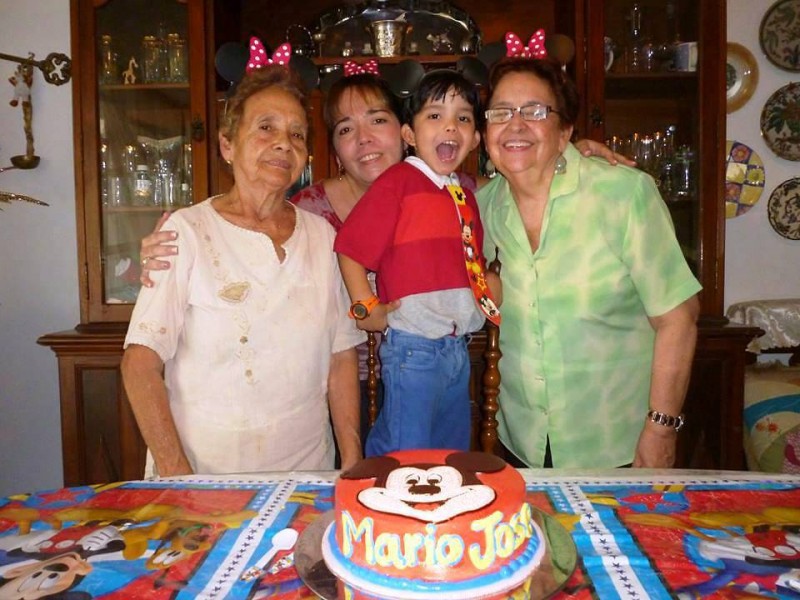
x=198, y=129
x=596, y=117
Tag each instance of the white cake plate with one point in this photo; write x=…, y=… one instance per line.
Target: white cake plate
x=558, y=563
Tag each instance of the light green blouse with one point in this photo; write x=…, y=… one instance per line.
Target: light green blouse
x=577, y=345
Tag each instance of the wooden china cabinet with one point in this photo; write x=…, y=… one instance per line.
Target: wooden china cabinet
x=166, y=122
x=141, y=146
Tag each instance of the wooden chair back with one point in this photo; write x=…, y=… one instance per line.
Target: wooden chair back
x=484, y=385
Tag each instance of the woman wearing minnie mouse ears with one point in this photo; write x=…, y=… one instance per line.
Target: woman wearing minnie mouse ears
x=599, y=305
x=241, y=354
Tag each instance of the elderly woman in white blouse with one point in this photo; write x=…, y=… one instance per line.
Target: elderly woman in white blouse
x=235, y=355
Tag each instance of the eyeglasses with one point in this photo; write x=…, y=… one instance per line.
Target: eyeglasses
x=529, y=112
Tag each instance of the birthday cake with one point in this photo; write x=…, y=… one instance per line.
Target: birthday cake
x=436, y=524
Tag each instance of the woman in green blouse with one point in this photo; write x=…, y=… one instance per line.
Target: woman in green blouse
x=599, y=305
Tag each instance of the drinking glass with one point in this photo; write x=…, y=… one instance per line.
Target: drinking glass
x=116, y=190
x=684, y=173
x=646, y=155
x=108, y=61
x=176, y=52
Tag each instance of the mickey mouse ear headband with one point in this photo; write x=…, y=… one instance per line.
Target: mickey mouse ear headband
x=403, y=78
x=556, y=45
x=234, y=60
x=512, y=47
x=349, y=68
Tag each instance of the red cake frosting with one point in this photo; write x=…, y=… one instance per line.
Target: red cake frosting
x=432, y=520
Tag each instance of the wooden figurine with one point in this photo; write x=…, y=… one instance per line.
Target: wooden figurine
x=129, y=74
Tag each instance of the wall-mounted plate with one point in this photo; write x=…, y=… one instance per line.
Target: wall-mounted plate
x=783, y=209
x=778, y=34
x=744, y=178
x=741, y=76
x=780, y=122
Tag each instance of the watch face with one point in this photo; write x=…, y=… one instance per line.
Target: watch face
x=360, y=311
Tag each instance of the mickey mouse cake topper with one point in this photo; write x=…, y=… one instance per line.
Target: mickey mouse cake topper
x=431, y=493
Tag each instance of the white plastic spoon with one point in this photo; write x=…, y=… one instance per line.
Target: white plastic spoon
x=283, y=540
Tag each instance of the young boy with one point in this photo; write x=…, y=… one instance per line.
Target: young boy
x=421, y=233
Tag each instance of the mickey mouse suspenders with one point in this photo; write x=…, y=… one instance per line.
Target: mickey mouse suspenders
x=475, y=274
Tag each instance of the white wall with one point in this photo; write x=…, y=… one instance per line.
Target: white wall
x=759, y=263
x=38, y=256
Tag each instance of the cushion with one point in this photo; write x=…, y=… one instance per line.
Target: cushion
x=772, y=418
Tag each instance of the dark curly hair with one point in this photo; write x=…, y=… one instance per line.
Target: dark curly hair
x=256, y=81
x=548, y=70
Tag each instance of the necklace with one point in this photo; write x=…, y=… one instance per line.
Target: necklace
x=346, y=199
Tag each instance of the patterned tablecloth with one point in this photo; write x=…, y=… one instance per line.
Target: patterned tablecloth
x=727, y=535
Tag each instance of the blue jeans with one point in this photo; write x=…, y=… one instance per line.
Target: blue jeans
x=425, y=394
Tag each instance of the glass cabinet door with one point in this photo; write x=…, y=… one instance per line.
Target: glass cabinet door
x=149, y=136
x=655, y=95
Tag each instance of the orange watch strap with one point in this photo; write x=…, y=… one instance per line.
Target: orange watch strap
x=368, y=304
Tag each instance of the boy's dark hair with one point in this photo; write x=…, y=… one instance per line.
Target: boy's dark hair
x=435, y=85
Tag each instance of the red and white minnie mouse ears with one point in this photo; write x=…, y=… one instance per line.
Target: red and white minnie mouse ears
x=534, y=49
x=370, y=67
x=259, y=58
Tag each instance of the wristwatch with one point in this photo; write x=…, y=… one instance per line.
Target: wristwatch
x=667, y=420
x=361, y=309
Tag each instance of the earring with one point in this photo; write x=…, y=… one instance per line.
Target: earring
x=561, y=164
x=340, y=168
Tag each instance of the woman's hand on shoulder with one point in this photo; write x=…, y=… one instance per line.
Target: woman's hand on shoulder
x=153, y=246
x=592, y=148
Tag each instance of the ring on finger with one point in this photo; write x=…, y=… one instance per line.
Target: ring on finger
x=144, y=260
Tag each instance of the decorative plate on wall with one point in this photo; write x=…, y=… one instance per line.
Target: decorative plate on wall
x=778, y=34
x=783, y=209
x=780, y=122
x=741, y=76
x=744, y=179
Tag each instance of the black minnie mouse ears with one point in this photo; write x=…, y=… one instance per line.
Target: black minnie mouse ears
x=330, y=76
x=559, y=46
x=231, y=63
x=491, y=53
x=473, y=70
x=306, y=69
x=403, y=78
x=469, y=67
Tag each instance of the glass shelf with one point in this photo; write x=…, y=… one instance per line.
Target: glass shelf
x=144, y=125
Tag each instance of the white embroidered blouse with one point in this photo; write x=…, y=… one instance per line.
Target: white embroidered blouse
x=247, y=341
